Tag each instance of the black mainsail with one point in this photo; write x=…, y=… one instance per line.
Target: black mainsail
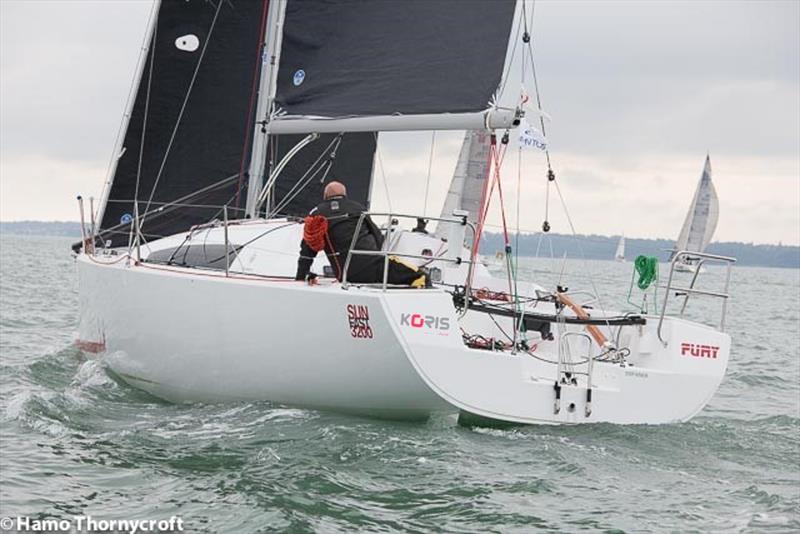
x=358, y=58
x=350, y=58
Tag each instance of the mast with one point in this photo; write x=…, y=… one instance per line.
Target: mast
x=266, y=97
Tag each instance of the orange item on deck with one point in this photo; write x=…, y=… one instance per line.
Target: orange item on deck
x=315, y=232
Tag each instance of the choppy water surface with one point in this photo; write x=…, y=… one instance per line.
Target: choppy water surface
x=75, y=441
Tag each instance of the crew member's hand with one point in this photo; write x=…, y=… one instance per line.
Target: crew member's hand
x=312, y=279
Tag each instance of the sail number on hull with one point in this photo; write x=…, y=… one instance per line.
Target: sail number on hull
x=358, y=317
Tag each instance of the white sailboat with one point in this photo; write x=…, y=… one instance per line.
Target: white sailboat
x=700, y=223
x=619, y=255
x=467, y=186
x=190, y=295
x=469, y=179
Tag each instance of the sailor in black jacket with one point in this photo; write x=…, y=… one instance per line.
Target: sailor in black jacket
x=335, y=233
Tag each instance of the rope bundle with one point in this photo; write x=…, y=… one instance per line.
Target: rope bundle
x=315, y=232
x=647, y=269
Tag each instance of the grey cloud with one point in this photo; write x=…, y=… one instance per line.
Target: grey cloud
x=66, y=71
x=639, y=90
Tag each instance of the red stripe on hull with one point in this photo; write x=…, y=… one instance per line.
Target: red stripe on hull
x=93, y=347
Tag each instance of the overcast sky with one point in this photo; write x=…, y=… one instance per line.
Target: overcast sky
x=638, y=93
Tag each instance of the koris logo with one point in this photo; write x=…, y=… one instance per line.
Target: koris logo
x=415, y=320
x=699, y=351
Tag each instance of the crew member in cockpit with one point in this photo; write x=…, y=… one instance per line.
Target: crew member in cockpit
x=331, y=226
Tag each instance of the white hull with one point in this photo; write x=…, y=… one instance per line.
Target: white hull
x=196, y=335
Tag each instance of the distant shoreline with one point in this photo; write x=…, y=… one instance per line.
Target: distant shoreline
x=596, y=247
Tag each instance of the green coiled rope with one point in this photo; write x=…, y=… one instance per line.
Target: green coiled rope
x=647, y=269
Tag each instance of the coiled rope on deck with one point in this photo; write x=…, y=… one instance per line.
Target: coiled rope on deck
x=315, y=232
x=647, y=269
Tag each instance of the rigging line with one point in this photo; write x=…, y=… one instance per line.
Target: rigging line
x=512, y=286
x=306, y=179
x=250, y=118
x=428, y=179
x=549, y=166
x=221, y=209
x=476, y=238
x=299, y=186
x=499, y=156
x=496, y=157
x=536, y=81
x=583, y=255
x=169, y=206
x=115, y=153
x=547, y=200
x=159, y=205
x=383, y=173
x=504, y=81
x=539, y=105
x=183, y=108
x=519, y=308
x=144, y=130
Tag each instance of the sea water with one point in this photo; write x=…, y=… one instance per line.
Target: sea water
x=76, y=442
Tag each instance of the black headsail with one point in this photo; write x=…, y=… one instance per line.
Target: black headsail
x=366, y=58
x=191, y=124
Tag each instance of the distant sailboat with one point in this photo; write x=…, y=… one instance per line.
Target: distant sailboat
x=620, y=254
x=701, y=220
x=466, y=186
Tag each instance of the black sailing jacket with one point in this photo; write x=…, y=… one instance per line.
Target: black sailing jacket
x=343, y=214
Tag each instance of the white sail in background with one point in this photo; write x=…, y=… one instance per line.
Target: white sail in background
x=466, y=186
x=620, y=254
x=701, y=221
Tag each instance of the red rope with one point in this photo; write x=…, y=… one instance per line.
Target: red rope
x=505, y=228
x=487, y=177
x=495, y=157
x=315, y=232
